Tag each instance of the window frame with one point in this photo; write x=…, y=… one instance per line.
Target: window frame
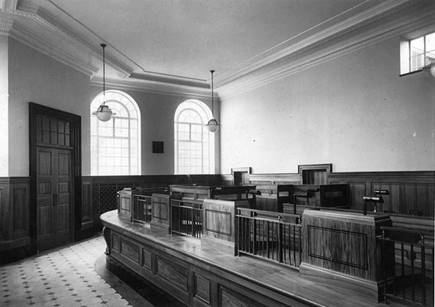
x=205, y=114
x=126, y=102
x=405, y=47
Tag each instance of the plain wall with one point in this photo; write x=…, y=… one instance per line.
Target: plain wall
x=355, y=112
x=38, y=78
x=4, y=107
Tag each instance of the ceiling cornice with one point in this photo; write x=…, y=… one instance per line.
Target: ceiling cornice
x=383, y=21
x=154, y=87
x=365, y=24
x=29, y=23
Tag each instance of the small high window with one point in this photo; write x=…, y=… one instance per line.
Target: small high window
x=115, y=144
x=417, y=53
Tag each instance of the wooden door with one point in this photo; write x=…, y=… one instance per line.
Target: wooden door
x=54, y=183
x=55, y=176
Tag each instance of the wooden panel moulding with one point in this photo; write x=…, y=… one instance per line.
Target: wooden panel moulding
x=202, y=288
x=130, y=250
x=175, y=274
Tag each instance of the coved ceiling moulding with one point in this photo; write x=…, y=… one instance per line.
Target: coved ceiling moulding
x=407, y=17
x=365, y=24
x=160, y=88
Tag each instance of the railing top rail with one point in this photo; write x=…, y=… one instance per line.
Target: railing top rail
x=187, y=207
x=400, y=234
x=269, y=213
x=277, y=221
x=142, y=196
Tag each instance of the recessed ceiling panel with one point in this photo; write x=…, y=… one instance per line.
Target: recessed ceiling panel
x=189, y=37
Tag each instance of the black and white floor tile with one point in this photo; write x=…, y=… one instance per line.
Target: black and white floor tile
x=62, y=277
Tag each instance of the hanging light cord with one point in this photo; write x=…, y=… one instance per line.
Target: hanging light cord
x=212, y=104
x=104, y=73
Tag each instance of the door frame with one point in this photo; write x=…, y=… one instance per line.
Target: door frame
x=76, y=167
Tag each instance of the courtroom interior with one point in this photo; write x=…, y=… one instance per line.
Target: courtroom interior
x=217, y=153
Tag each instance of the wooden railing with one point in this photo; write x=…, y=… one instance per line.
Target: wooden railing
x=269, y=235
x=414, y=262
x=186, y=217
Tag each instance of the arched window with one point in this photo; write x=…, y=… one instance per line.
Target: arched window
x=115, y=144
x=194, y=144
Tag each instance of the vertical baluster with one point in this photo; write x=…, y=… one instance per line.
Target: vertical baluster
x=412, y=272
x=423, y=269
x=294, y=243
x=300, y=243
x=284, y=235
x=237, y=233
x=288, y=245
x=280, y=239
x=192, y=221
x=254, y=247
x=382, y=262
x=267, y=240
x=402, y=264
x=261, y=238
x=276, y=230
x=246, y=234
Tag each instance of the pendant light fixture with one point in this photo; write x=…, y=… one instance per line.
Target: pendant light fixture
x=212, y=124
x=104, y=113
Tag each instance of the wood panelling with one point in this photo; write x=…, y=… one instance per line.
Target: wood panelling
x=410, y=193
x=275, y=178
x=130, y=250
x=14, y=218
x=202, y=288
x=219, y=218
x=344, y=242
x=146, y=259
x=175, y=274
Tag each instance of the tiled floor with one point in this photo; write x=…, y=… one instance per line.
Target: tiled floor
x=64, y=277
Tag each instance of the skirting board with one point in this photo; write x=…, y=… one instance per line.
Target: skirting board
x=371, y=289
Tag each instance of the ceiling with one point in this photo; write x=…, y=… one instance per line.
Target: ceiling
x=189, y=37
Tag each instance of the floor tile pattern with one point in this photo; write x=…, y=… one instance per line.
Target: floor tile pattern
x=61, y=277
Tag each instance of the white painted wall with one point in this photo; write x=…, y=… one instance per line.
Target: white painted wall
x=355, y=112
x=38, y=78
x=4, y=107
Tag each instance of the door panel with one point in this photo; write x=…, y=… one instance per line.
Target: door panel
x=54, y=197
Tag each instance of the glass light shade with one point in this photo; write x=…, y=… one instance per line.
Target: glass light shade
x=212, y=125
x=103, y=113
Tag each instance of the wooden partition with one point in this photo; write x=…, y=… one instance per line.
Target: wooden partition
x=343, y=246
x=220, y=218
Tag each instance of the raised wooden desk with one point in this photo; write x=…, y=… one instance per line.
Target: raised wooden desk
x=202, y=273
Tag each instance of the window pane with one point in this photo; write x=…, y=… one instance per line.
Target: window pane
x=196, y=132
x=404, y=57
x=183, y=132
x=189, y=116
x=417, y=53
x=430, y=48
